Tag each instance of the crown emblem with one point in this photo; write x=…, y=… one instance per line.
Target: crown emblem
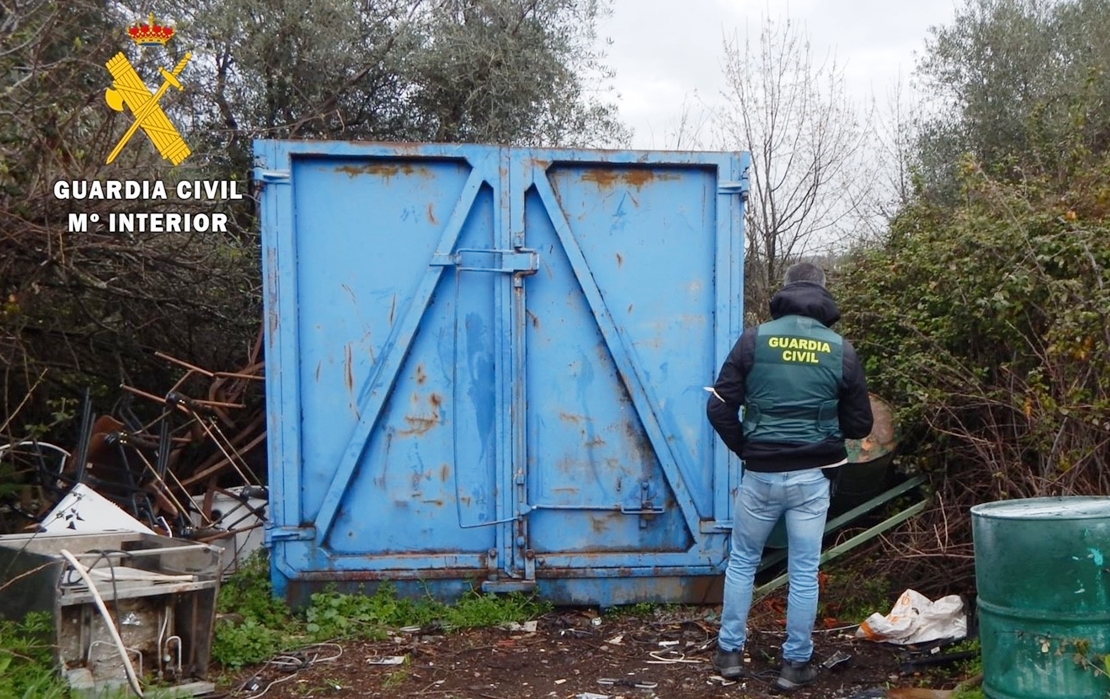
x=150, y=34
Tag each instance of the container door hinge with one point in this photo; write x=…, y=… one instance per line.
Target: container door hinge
x=530, y=566
x=290, y=534
x=528, y=584
x=498, y=261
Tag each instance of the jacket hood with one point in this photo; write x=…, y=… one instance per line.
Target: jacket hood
x=808, y=299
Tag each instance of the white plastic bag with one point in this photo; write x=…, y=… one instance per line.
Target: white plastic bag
x=916, y=619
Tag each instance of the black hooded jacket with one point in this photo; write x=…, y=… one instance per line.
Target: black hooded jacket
x=854, y=408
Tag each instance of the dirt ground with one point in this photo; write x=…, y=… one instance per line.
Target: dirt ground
x=581, y=654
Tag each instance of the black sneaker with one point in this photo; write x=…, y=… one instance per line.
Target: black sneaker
x=795, y=675
x=729, y=664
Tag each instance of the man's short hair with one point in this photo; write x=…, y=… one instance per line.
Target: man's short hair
x=804, y=272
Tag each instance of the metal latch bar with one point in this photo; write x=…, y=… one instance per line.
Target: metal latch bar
x=648, y=509
x=274, y=176
x=497, y=261
x=290, y=533
x=733, y=187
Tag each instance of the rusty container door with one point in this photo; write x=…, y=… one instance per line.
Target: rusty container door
x=486, y=365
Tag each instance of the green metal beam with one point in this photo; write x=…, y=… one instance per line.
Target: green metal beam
x=850, y=544
x=850, y=516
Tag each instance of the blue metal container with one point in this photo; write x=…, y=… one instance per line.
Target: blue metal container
x=486, y=365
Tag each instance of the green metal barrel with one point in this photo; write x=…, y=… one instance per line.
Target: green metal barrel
x=1044, y=596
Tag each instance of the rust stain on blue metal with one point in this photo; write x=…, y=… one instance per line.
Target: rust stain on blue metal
x=634, y=176
x=380, y=169
x=422, y=424
x=604, y=178
x=566, y=465
x=349, y=375
x=273, y=314
x=601, y=522
x=419, y=425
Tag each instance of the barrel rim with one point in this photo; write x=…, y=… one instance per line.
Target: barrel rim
x=1025, y=508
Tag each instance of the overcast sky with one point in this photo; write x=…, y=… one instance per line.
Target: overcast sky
x=664, y=50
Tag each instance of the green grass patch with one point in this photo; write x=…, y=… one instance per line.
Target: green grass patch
x=396, y=678
x=969, y=668
x=973, y=666
x=27, y=669
x=851, y=596
x=249, y=594
x=254, y=626
x=639, y=610
x=477, y=610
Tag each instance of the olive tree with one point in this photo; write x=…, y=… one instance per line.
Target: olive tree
x=507, y=71
x=90, y=308
x=1020, y=85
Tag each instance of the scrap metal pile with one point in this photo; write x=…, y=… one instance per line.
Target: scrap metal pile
x=188, y=463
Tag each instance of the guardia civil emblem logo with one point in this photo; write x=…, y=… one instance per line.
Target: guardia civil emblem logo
x=128, y=90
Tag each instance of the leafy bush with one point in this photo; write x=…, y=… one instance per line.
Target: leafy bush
x=989, y=324
x=252, y=625
x=247, y=642
x=250, y=595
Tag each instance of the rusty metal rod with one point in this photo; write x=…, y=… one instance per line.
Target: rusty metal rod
x=151, y=396
x=187, y=365
x=247, y=377
x=180, y=382
x=248, y=432
x=228, y=533
x=217, y=404
x=212, y=431
x=165, y=487
x=221, y=464
x=198, y=401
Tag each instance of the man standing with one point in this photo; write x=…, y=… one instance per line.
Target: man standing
x=803, y=391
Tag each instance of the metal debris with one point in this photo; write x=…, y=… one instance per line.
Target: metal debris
x=187, y=463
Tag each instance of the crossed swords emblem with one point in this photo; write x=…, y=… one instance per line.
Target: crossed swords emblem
x=128, y=89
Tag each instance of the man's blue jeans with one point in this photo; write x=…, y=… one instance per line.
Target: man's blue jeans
x=803, y=496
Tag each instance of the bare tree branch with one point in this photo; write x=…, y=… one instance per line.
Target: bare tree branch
x=807, y=140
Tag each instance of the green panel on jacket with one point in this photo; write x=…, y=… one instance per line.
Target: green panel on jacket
x=794, y=382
